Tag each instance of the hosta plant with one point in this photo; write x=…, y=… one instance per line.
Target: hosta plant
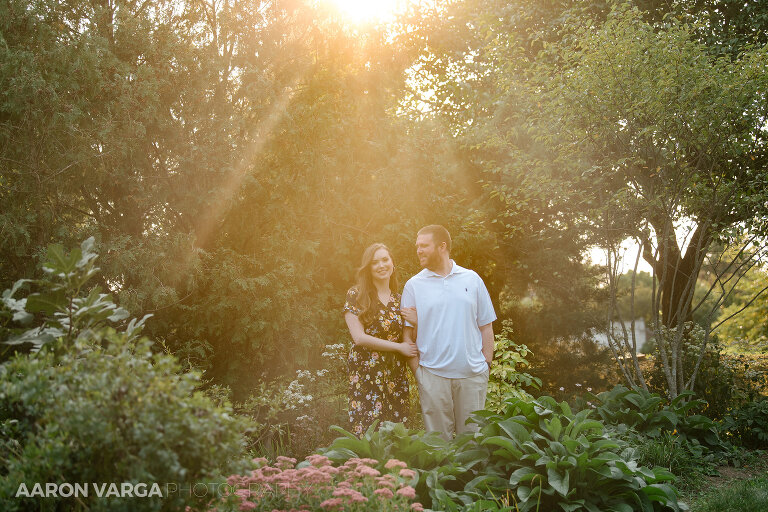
x=539, y=455
x=647, y=414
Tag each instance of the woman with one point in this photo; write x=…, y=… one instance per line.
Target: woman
x=378, y=382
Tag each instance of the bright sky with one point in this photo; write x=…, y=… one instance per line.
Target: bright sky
x=362, y=11
x=684, y=229
x=630, y=249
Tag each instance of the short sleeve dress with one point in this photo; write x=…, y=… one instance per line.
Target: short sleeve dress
x=378, y=381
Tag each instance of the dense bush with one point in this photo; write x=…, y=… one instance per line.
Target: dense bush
x=113, y=414
x=724, y=381
x=747, y=425
x=739, y=379
x=95, y=405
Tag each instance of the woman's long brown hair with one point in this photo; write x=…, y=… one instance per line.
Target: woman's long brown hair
x=366, y=291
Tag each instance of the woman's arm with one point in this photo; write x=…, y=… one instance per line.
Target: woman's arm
x=365, y=340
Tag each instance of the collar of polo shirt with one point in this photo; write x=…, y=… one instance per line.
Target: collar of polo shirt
x=455, y=269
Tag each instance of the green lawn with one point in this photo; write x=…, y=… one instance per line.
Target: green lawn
x=741, y=496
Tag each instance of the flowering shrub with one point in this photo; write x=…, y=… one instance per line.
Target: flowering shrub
x=316, y=484
x=293, y=417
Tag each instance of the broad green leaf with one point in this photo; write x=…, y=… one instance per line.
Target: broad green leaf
x=515, y=430
x=522, y=475
x=47, y=302
x=510, y=447
x=559, y=481
x=555, y=427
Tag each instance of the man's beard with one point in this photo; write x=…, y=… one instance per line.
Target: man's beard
x=433, y=261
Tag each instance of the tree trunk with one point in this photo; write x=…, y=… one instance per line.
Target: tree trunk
x=677, y=274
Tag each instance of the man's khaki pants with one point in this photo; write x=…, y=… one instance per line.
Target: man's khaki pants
x=447, y=403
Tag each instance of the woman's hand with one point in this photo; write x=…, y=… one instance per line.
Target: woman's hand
x=408, y=349
x=409, y=315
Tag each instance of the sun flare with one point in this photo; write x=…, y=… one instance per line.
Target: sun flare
x=361, y=11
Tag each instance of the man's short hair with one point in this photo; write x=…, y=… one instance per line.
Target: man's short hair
x=439, y=235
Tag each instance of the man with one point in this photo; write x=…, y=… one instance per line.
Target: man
x=454, y=334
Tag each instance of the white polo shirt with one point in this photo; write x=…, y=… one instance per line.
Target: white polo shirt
x=451, y=310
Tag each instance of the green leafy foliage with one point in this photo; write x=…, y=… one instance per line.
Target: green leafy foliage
x=62, y=305
x=113, y=414
x=748, y=425
x=648, y=415
x=744, y=327
x=534, y=455
x=673, y=453
x=551, y=458
x=506, y=378
x=433, y=458
x=96, y=405
x=724, y=380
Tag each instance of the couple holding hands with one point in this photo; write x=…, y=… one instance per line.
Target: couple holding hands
x=441, y=327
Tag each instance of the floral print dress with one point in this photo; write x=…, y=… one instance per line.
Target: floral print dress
x=378, y=381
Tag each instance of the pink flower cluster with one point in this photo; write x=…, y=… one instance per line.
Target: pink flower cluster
x=316, y=484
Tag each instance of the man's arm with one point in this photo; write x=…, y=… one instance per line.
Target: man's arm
x=486, y=331
x=409, y=335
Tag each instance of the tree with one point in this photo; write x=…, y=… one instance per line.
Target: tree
x=590, y=125
x=664, y=143
x=231, y=159
x=462, y=80
x=743, y=321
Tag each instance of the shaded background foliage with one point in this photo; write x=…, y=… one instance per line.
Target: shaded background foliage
x=233, y=158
